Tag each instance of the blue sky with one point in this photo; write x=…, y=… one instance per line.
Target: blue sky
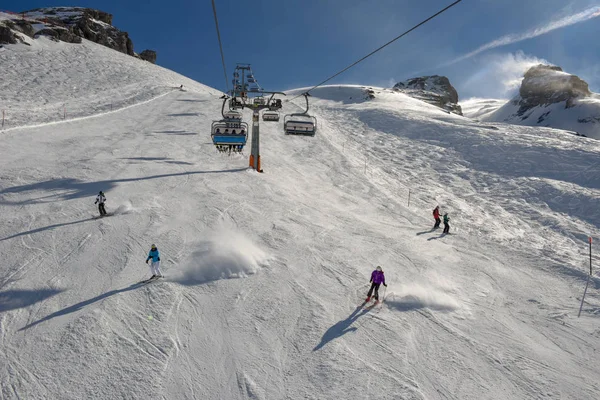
x=296, y=43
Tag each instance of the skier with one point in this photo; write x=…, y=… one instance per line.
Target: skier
x=100, y=199
x=154, y=266
x=446, y=223
x=377, y=278
x=436, y=215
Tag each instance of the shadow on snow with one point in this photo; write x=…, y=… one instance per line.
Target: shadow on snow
x=45, y=228
x=179, y=133
x=79, y=306
x=74, y=188
x=13, y=299
x=342, y=327
x=438, y=237
x=183, y=115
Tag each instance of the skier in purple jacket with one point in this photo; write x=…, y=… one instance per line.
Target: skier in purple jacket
x=377, y=278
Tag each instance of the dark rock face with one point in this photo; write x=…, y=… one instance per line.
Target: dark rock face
x=71, y=24
x=148, y=55
x=106, y=35
x=24, y=27
x=435, y=89
x=7, y=36
x=60, y=34
x=548, y=84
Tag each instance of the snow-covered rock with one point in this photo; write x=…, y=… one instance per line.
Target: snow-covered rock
x=550, y=97
x=435, y=89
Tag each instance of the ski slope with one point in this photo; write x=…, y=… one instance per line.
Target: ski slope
x=264, y=272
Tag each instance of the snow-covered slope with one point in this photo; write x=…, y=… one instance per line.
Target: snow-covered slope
x=487, y=312
x=46, y=81
x=480, y=109
x=583, y=117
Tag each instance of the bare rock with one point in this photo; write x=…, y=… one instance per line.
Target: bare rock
x=148, y=55
x=436, y=90
x=7, y=36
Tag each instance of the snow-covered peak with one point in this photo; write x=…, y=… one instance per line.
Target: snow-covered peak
x=548, y=97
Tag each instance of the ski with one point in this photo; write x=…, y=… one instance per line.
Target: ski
x=102, y=216
x=155, y=278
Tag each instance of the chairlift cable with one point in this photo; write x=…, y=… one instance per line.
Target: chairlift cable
x=385, y=45
x=220, y=45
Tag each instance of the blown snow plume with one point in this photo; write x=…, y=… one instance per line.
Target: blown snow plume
x=227, y=254
x=415, y=296
x=500, y=75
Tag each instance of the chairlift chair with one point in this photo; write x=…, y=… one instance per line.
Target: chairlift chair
x=229, y=136
x=275, y=105
x=230, y=133
x=270, y=116
x=300, y=123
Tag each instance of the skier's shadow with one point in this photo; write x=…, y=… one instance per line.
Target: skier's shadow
x=437, y=237
x=78, y=306
x=342, y=327
x=424, y=232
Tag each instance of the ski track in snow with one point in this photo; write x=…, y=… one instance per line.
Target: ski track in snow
x=487, y=312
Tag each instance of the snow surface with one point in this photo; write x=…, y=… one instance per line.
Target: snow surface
x=488, y=312
x=52, y=80
x=583, y=117
x=480, y=108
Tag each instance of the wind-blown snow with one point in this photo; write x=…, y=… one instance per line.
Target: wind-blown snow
x=226, y=253
x=487, y=312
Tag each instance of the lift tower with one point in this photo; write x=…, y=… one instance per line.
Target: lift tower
x=255, y=146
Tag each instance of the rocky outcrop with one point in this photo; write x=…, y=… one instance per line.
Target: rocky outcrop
x=60, y=34
x=148, y=55
x=104, y=34
x=548, y=84
x=71, y=24
x=435, y=89
x=24, y=27
x=7, y=36
x=550, y=97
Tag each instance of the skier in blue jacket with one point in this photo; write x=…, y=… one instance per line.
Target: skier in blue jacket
x=155, y=265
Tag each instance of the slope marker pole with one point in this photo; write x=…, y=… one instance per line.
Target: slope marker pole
x=588, y=279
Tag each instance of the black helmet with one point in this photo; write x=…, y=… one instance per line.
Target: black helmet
x=101, y=192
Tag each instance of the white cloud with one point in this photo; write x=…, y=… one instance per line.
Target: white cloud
x=518, y=37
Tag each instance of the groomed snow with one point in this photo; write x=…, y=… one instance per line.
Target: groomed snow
x=264, y=272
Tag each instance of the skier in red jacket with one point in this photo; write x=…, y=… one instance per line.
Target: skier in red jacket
x=436, y=215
